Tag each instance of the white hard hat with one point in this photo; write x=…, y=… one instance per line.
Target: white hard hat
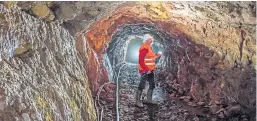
x=146, y=37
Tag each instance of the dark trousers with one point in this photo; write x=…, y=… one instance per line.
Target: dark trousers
x=147, y=77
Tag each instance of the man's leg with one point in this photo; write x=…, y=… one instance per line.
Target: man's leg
x=151, y=88
x=140, y=90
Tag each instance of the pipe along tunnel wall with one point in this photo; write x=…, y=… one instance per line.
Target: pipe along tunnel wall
x=56, y=55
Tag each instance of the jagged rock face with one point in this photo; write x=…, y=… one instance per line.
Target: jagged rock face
x=221, y=45
x=223, y=29
x=42, y=75
x=224, y=33
x=209, y=53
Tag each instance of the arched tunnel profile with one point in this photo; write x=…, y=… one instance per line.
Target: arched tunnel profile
x=125, y=44
x=78, y=60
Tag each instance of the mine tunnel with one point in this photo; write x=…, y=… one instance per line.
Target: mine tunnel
x=78, y=61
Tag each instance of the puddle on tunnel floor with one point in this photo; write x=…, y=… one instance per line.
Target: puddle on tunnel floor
x=159, y=94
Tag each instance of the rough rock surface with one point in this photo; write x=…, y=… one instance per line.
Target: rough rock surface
x=213, y=38
x=209, y=54
x=168, y=108
x=42, y=75
x=226, y=34
x=223, y=38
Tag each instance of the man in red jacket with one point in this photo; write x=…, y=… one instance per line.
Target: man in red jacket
x=146, y=68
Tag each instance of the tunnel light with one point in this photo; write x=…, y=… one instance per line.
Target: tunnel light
x=132, y=53
x=133, y=50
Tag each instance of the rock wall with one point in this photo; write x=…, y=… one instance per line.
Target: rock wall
x=224, y=34
x=216, y=55
x=42, y=76
x=230, y=32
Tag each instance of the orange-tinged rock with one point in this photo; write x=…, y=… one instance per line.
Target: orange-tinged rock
x=218, y=36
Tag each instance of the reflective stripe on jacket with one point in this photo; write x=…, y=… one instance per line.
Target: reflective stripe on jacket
x=149, y=59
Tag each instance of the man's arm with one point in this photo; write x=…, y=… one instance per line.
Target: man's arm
x=142, y=54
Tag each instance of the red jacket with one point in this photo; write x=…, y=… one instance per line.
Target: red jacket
x=142, y=54
x=146, y=58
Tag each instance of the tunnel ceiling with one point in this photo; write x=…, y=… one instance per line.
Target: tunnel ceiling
x=225, y=31
x=226, y=27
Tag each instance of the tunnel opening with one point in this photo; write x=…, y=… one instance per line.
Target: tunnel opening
x=132, y=51
x=124, y=48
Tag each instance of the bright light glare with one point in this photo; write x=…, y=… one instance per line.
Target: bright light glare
x=133, y=50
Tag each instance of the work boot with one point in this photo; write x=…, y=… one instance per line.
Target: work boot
x=138, y=96
x=149, y=98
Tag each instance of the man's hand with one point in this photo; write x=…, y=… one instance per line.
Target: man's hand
x=159, y=53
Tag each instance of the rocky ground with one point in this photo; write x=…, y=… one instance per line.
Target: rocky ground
x=171, y=107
